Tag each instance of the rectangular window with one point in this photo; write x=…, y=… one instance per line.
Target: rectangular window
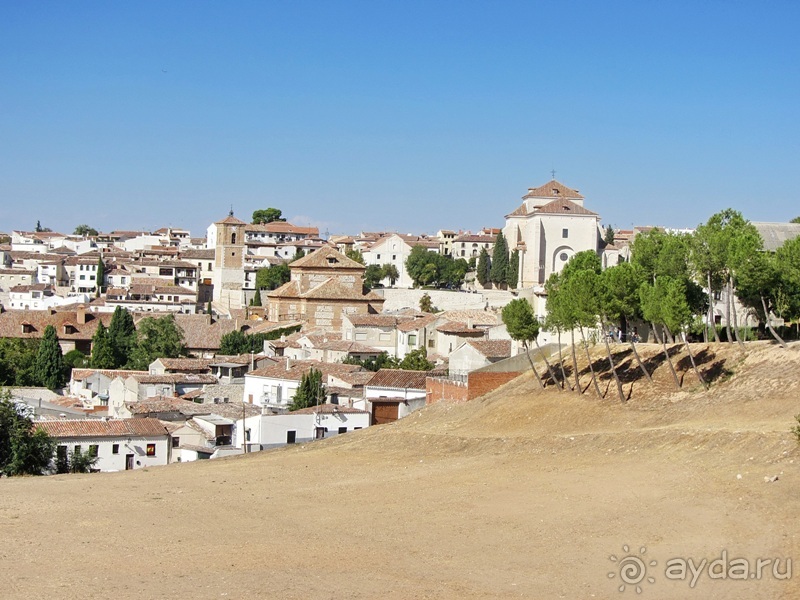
x=115, y=449
x=361, y=336
x=431, y=343
x=77, y=449
x=385, y=337
x=342, y=429
x=291, y=436
x=94, y=449
x=151, y=449
x=412, y=339
x=378, y=256
x=565, y=233
x=176, y=441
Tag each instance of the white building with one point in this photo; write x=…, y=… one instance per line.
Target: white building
x=119, y=444
x=307, y=424
x=548, y=228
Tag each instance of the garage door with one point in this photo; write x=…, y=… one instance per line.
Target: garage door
x=385, y=412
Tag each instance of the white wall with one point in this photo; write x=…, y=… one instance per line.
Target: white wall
x=108, y=461
x=275, y=427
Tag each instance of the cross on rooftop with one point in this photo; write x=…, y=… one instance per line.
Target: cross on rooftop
x=553, y=173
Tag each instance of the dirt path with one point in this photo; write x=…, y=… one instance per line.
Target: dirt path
x=521, y=494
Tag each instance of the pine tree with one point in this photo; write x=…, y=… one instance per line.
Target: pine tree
x=122, y=336
x=608, y=236
x=512, y=275
x=499, y=270
x=483, y=271
x=49, y=367
x=310, y=392
x=102, y=353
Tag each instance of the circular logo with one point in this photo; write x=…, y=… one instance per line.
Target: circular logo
x=632, y=569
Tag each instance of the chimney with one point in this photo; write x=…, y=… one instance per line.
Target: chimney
x=288, y=364
x=80, y=314
x=469, y=324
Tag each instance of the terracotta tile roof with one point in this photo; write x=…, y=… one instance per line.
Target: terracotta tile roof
x=30, y=273
x=11, y=323
x=329, y=409
x=38, y=287
x=186, y=364
x=477, y=317
x=459, y=328
x=290, y=289
x=563, y=207
x=296, y=368
x=333, y=289
x=354, y=392
x=198, y=254
x=418, y=323
x=347, y=346
x=176, y=378
x=94, y=428
x=326, y=257
x=187, y=408
x=399, y=379
x=282, y=227
x=553, y=189
x=81, y=374
x=356, y=378
x=373, y=320
x=476, y=237
x=198, y=334
x=492, y=348
x=230, y=220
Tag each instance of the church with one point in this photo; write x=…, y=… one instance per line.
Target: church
x=548, y=228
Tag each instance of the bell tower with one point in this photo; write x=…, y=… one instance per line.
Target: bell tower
x=229, y=262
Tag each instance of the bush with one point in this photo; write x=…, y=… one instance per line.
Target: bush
x=796, y=429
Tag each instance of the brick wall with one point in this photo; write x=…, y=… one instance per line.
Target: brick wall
x=444, y=390
x=481, y=383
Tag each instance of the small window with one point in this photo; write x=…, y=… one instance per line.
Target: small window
x=565, y=233
x=151, y=449
x=176, y=442
x=77, y=449
x=378, y=256
x=563, y=256
x=394, y=256
x=94, y=449
x=115, y=449
x=431, y=343
x=342, y=429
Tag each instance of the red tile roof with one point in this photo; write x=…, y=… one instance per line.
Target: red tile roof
x=399, y=379
x=94, y=428
x=553, y=189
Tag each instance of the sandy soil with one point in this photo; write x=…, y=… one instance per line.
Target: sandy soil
x=523, y=494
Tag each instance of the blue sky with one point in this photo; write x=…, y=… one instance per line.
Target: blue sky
x=408, y=116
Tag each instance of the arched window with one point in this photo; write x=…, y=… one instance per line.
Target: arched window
x=233, y=238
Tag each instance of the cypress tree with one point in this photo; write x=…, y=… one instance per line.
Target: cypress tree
x=512, y=275
x=101, y=275
x=499, y=270
x=122, y=336
x=102, y=353
x=256, y=298
x=49, y=367
x=483, y=271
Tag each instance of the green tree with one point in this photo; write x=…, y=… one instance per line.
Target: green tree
x=512, y=276
x=81, y=462
x=156, y=338
x=425, y=303
x=653, y=297
x=84, y=230
x=256, y=301
x=484, y=268
x=101, y=276
x=372, y=276
x=416, y=360
x=311, y=391
x=24, y=450
x=390, y=272
x=795, y=220
x=382, y=361
x=102, y=350
x=233, y=343
x=355, y=255
x=608, y=235
x=522, y=326
x=498, y=273
x=267, y=215
x=75, y=359
x=18, y=361
x=122, y=336
x=271, y=278
x=49, y=368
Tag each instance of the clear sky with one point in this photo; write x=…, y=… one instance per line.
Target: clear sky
x=403, y=115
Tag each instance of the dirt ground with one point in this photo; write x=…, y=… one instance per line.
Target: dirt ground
x=521, y=494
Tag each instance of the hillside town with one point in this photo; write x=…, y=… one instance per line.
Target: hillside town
x=282, y=336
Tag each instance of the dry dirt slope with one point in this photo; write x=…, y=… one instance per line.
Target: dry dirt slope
x=521, y=494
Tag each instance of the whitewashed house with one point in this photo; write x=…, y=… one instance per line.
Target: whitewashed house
x=393, y=394
x=307, y=424
x=119, y=444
